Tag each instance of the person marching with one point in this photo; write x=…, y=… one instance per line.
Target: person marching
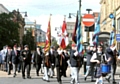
x=90, y=66
x=100, y=58
x=52, y=59
x=112, y=53
x=14, y=59
x=75, y=61
x=47, y=63
x=26, y=61
x=58, y=64
x=37, y=59
x=8, y=60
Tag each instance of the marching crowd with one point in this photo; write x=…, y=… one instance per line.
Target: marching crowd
x=18, y=59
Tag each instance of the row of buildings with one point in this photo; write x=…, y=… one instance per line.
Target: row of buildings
x=25, y=25
x=107, y=7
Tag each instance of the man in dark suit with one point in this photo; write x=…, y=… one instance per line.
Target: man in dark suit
x=8, y=60
x=58, y=64
x=111, y=52
x=37, y=59
x=26, y=61
x=52, y=59
x=15, y=60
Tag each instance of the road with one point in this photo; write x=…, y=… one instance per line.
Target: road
x=8, y=79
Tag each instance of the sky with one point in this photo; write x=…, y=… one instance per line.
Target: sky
x=40, y=10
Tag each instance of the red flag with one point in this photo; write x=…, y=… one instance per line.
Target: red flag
x=48, y=37
x=63, y=37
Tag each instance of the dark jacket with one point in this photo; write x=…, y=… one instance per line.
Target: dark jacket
x=52, y=56
x=37, y=59
x=27, y=55
x=8, y=57
x=88, y=57
x=76, y=61
x=112, y=55
x=14, y=57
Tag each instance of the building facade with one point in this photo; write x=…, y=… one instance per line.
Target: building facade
x=108, y=7
x=3, y=9
x=37, y=32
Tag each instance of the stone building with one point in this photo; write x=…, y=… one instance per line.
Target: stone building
x=110, y=7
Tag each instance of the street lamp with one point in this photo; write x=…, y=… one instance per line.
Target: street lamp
x=22, y=12
x=74, y=14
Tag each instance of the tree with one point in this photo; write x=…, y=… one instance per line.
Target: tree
x=8, y=30
x=28, y=39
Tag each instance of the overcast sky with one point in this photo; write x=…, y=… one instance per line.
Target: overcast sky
x=40, y=10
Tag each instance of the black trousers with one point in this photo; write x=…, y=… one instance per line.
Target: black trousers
x=24, y=65
x=59, y=73
x=38, y=66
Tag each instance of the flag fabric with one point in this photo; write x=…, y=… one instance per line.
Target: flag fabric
x=63, y=36
x=112, y=38
x=79, y=34
x=113, y=32
x=48, y=37
x=96, y=31
x=74, y=37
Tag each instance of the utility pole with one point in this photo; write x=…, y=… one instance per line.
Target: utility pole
x=88, y=27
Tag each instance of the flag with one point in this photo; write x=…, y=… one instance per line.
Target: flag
x=48, y=37
x=113, y=32
x=79, y=34
x=96, y=31
x=112, y=38
x=63, y=36
x=74, y=39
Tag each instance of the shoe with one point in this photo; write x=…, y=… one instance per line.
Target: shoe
x=14, y=75
x=37, y=74
x=93, y=80
x=23, y=77
x=47, y=80
x=114, y=82
x=60, y=82
x=29, y=77
x=107, y=80
x=85, y=78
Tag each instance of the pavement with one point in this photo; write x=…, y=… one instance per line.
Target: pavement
x=8, y=79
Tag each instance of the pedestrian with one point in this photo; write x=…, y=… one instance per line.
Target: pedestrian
x=99, y=57
x=19, y=59
x=47, y=64
x=75, y=61
x=58, y=64
x=15, y=60
x=52, y=59
x=26, y=61
x=112, y=53
x=37, y=59
x=8, y=60
x=89, y=65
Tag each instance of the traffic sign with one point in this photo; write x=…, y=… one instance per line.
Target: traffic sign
x=88, y=20
x=118, y=37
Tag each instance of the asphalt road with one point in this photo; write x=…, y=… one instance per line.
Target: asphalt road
x=9, y=79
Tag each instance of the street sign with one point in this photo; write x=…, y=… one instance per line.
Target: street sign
x=118, y=37
x=88, y=20
x=111, y=16
x=86, y=44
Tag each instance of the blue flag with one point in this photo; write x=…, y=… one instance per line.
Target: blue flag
x=79, y=34
x=96, y=31
x=112, y=34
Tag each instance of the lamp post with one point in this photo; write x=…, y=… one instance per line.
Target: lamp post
x=88, y=27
